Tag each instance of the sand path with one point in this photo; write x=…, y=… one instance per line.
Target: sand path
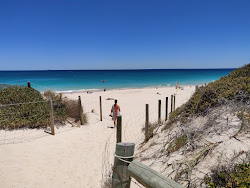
x=74, y=156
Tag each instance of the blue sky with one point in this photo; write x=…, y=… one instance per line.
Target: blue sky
x=124, y=34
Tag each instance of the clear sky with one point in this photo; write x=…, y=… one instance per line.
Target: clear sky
x=124, y=34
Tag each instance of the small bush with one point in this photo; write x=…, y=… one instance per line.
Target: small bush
x=65, y=108
x=73, y=110
x=33, y=115
x=176, y=144
x=51, y=95
x=31, y=110
x=230, y=176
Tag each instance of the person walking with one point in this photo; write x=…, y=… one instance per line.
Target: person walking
x=116, y=112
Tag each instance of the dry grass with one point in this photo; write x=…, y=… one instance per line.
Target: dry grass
x=151, y=128
x=72, y=107
x=73, y=110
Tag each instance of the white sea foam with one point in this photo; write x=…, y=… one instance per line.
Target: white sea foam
x=77, y=90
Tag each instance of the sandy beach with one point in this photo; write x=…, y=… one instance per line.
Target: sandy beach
x=79, y=156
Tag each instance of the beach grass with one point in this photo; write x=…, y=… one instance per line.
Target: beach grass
x=235, y=86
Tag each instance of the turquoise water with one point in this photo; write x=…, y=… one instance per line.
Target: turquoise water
x=69, y=80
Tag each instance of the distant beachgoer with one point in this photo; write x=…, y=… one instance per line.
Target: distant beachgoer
x=158, y=93
x=110, y=99
x=116, y=111
x=104, y=89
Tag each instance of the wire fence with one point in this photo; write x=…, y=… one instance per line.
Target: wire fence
x=220, y=125
x=133, y=130
x=26, y=121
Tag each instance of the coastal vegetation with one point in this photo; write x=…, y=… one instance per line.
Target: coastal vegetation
x=207, y=129
x=229, y=176
x=235, y=86
x=177, y=143
x=233, y=93
x=25, y=107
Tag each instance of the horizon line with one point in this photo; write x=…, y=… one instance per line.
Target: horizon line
x=115, y=69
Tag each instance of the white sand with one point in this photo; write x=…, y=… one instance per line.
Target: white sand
x=77, y=157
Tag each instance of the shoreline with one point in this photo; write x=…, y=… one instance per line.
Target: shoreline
x=118, y=89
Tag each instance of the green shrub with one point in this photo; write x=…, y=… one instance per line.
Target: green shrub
x=177, y=143
x=18, y=94
x=26, y=107
x=25, y=114
x=236, y=176
x=234, y=86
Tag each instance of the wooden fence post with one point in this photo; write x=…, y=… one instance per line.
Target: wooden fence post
x=28, y=84
x=174, y=102
x=100, y=108
x=149, y=177
x=119, y=129
x=159, y=111
x=60, y=96
x=80, y=110
x=166, y=118
x=52, y=118
x=123, y=152
x=146, y=124
x=196, y=87
x=171, y=103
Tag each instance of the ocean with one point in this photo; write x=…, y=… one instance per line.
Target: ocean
x=80, y=80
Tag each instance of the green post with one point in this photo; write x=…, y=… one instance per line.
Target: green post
x=148, y=177
x=123, y=152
